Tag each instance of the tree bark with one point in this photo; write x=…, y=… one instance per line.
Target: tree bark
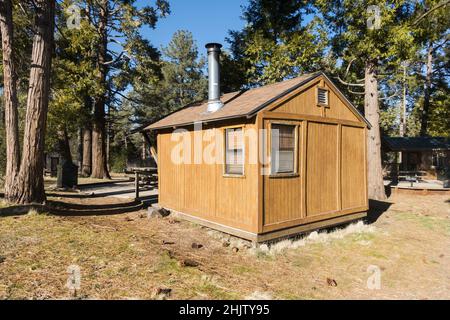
x=144, y=153
x=427, y=91
x=99, y=159
x=10, y=97
x=80, y=150
x=87, y=152
x=29, y=186
x=372, y=113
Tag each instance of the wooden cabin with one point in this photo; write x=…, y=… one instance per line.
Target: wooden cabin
x=428, y=157
x=289, y=157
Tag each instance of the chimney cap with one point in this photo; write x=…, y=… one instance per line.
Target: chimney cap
x=213, y=46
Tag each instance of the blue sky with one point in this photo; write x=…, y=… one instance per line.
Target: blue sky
x=208, y=20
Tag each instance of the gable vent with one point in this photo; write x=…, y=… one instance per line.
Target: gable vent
x=322, y=96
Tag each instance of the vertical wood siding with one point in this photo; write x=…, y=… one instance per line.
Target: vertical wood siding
x=202, y=190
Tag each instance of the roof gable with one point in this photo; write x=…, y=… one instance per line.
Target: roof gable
x=303, y=101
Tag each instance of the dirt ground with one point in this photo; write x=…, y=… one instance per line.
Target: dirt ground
x=131, y=256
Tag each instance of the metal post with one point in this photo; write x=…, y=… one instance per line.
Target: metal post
x=136, y=184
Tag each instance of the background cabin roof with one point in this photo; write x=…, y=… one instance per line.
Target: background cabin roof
x=416, y=143
x=237, y=104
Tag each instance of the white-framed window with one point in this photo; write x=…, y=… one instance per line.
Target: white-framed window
x=234, y=151
x=322, y=96
x=283, y=148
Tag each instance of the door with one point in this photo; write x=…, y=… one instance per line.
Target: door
x=283, y=179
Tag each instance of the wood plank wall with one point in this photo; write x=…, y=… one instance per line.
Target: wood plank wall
x=202, y=190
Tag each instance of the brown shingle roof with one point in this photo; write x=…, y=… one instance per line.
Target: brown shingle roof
x=236, y=104
x=240, y=104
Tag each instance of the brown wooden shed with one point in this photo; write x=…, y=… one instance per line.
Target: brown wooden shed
x=267, y=162
x=310, y=171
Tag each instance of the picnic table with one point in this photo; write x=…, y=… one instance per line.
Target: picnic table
x=411, y=176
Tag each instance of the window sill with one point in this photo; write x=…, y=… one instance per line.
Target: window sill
x=283, y=175
x=238, y=176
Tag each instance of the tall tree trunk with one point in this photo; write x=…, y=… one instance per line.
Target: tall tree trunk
x=10, y=97
x=108, y=137
x=427, y=91
x=87, y=152
x=80, y=150
x=144, y=154
x=29, y=186
x=372, y=112
x=99, y=159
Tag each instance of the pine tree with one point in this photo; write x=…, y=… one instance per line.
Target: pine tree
x=73, y=82
x=182, y=71
x=118, y=24
x=11, y=102
x=28, y=183
x=278, y=42
x=181, y=81
x=431, y=29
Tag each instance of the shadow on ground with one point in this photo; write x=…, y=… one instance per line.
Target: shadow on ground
x=61, y=208
x=376, y=210
x=87, y=195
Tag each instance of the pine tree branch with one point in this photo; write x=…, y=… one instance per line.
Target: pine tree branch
x=114, y=60
x=423, y=16
x=349, y=84
x=395, y=94
x=358, y=93
x=441, y=44
x=125, y=97
x=348, y=67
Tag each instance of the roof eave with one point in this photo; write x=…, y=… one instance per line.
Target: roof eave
x=281, y=95
x=186, y=124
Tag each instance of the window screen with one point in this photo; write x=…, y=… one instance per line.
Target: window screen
x=234, y=157
x=283, y=148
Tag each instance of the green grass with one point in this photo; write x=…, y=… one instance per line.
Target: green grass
x=167, y=265
x=428, y=222
x=213, y=291
x=242, y=269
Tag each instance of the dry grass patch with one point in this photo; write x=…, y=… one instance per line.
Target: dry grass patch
x=130, y=256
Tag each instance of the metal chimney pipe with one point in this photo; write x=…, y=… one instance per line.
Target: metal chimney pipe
x=214, y=102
